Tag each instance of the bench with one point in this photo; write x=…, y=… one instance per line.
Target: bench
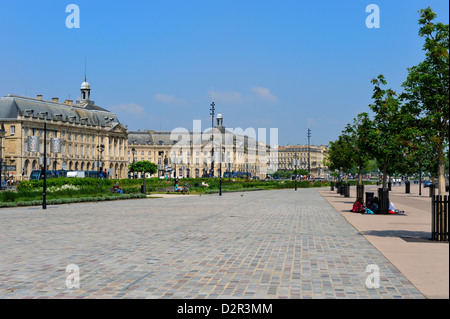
x=171, y=189
x=112, y=190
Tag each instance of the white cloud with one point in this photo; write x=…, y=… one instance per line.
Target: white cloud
x=168, y=99
x=264, y=94
x=226, y=97
x=233, y=97
x=128, y=107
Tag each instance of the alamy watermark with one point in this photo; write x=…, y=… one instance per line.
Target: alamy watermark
x=234, y=147
x=373, y=279
x=73, y=19
x=73, y=278
x=373, y=19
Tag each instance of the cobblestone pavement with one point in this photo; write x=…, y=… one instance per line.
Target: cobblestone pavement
x=271, y=244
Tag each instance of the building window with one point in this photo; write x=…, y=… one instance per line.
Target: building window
x=13, y=130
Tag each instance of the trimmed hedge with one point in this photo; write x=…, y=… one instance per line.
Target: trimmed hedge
x=29, y=185
x=57, y=201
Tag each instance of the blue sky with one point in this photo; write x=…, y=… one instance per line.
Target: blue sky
x=285, y=64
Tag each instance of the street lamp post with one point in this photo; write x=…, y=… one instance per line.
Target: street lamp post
x=133, y=150
x=295, y=163
x=309, y=153
x=220, y=178
x=44, y=194
x=2, y=135
x=212, y=141
x=175, y=165
x=220, y=172
x=420, y=180
x=100, y=149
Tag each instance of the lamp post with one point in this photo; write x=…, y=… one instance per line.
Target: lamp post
x=420, y=180
x=44, y=170
x=175, y=165
x=2, y=135
x=309, y=153
x=220, y=172
x=295, y=165
x=133, y=150
x=212, y=141
x=100, y=149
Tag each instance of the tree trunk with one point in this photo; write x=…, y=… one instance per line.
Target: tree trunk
x=385, y=176
x=441, y=179
x=359, y=176
x=145, y=187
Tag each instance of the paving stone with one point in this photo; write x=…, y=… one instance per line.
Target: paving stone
x=270, y=244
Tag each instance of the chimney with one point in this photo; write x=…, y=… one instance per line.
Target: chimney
x=39, y=97
x=69, y=102
x=55, y=99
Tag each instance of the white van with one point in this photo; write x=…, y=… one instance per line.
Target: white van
x=80, y=174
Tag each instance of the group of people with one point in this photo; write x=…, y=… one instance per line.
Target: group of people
x=371, y=207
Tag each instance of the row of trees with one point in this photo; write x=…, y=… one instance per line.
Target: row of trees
x=289, y=174
x=408, y=131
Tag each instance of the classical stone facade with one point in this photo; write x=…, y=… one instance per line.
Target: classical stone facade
x=316, y=154
x=190, y=154
x=91, y=137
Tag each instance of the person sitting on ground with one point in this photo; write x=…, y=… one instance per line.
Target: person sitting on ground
x=358, y=206
x=204, y=184
x=117, y=189
x=178, y=189
x=392, y=209
x=373, y=205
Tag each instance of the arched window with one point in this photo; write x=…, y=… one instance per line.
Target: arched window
x=25, y=168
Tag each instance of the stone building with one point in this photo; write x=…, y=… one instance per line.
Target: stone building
x=315, y=154
x=189, y=154
x=90, y=137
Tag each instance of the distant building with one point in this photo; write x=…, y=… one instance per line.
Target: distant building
x=317, y=154
x=194, y=158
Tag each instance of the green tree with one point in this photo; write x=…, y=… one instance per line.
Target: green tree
x=388, y=135
x=340, y=155
x=360, y=144
x=143, y=167
x=427, y=88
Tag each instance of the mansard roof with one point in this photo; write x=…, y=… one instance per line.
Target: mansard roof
x=13, y=106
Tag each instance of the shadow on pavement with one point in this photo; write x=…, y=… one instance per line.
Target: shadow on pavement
x=404, y=234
